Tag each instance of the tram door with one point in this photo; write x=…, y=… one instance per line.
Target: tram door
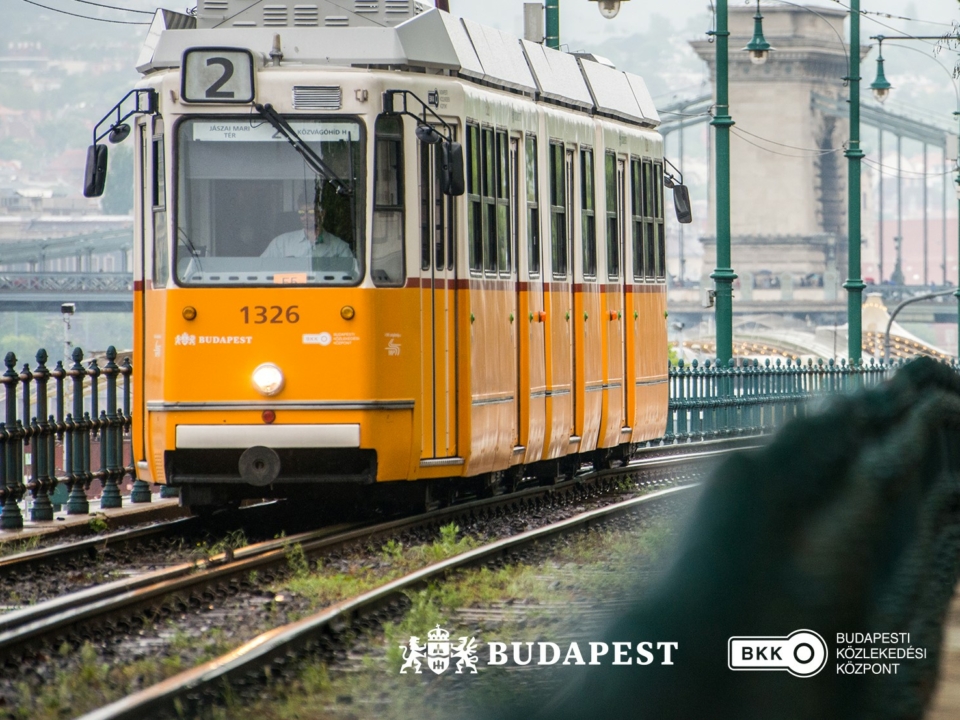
x=156, y=266
x=141, y=208
x=622, y=306
x=571, y=275
x=514, y=179
x=437, y=310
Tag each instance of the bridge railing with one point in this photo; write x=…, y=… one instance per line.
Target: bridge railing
x=710, y=401
x=26, y=282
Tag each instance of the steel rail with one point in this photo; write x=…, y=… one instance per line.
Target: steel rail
x=43, y=556
x=116, y=600
x=30, y=559
x=280, y=642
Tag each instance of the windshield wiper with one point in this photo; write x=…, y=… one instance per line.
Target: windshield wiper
x=311, y=158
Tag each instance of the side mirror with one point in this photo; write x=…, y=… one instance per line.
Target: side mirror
x=451, y=178
x=681, y=203
x=95, y=174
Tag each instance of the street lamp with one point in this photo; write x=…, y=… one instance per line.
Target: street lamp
x=881, y=86
x=608, y=8
x=758, y=47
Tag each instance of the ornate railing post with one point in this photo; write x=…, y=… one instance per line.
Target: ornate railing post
x=683, y=376
x=111, y=438
x=77, y=503
x=668, y=436
x=696, y=424
x=710, y=401
x=11, y=443
x=740, y=395
x=41, y=447
x=780, y=378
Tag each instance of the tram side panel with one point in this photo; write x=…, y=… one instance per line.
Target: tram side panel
x=650, y=304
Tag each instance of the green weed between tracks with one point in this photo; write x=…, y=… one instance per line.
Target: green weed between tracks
x=92, y=682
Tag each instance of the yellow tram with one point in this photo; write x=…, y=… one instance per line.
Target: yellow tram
x=409, y=249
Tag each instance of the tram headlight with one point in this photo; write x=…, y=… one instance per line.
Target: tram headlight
x=268, y=379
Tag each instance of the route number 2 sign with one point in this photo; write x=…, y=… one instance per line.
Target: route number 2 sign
x=217, y=75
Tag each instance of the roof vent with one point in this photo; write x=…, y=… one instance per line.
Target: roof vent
x=306, y=16
x=396, y=6
x=336, y=21
x=366, y=6
x=313, y=97
x=275, y=15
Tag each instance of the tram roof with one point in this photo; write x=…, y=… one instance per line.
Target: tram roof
x=432, y=40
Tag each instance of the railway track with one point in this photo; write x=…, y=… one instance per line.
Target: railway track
x=75, y=615
x=274, y=648
x=55, y=571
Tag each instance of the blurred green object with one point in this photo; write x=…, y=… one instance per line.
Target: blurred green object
x=847, y=522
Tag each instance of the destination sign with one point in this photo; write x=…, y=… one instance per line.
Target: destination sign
x=255, y=129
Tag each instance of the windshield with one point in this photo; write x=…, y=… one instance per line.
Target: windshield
x=251, y=211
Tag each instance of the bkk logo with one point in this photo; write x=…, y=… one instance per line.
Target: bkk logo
x=802, y=653
x=438, y=651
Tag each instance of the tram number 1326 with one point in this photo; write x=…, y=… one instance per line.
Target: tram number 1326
x=275, y=313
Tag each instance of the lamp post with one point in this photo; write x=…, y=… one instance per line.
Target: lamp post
x=854, y=284
x=723, y=275
x=552, y=39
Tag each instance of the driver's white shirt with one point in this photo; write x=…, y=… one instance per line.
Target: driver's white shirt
x=297, y=244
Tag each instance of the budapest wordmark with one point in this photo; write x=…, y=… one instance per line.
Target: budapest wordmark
x=593, y=653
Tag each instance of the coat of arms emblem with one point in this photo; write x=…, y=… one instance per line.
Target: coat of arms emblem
x=438, y=649
x=438, y=653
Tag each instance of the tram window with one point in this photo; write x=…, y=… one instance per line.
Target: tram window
x=489, y=181
x=649, y=223
x=426, y=230
x=588, y=215
x=161, y=265
x=636, y=217
x=436, y=212
x=613, y=217
x=474, y=220
x=504, y=260
x=251, y=211
x=386, y=255
x=558, y=210
x=533, y=207
x=659, y=224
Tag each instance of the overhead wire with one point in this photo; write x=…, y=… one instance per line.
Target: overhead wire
x=867, y=16
x=115, y=7
x=894, y=17
x=740, y=133
x=85, y=17
x=882, y=168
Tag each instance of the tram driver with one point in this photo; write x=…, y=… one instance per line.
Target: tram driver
x=313, y=240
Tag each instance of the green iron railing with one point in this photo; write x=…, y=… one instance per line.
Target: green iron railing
x=749, y=398
x=64, y=421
